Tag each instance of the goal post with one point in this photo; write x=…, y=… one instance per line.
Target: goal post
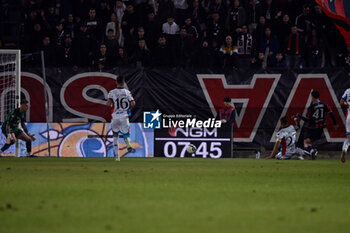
x=10, y=84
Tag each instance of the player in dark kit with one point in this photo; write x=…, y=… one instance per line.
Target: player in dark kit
x=10, y=128
x=316, y=121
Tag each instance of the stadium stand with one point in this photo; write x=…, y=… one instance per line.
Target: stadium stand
x=192, y=33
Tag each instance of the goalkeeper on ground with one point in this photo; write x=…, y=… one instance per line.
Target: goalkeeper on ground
x=10, y=128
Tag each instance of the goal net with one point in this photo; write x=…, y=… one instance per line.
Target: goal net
x=10, y=70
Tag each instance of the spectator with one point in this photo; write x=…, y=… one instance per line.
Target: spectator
x=218, y=6
x=170, y=27
x=70, y=26
x=49, y=20
x=235, y=17
x=142, y=55
x=191, y=30
x=166, y=9
x=94, y=25
x=142, y=10
x=347, y=56
x=293, y=48
x=206, y=4
x=49, y=53
x=114, y=25
x=171, y=31
x=80, y=8
x=228, y=53
x=153, y=29
x=122, y=58
x=280, y=61
x=269, y=10
x=245, y=47
x=208, y=21
x=198, y=15
x=68, y=56
x=161, y=55
x=282, y=27
x=103, y=12
x=303, y=21
x=101, y=60
x=208, y=55
x=320, y=21
x=181, y=7
x=269, y=47
x=36, y=38
x=186, y=48
x=215, y=30
x=59, y=34
x=253, y=11
x=132, y=43
x=87, y=44
x=119, y=10
x=259, y=32
x=314, y=50
x=129, y=21
x=112, y=45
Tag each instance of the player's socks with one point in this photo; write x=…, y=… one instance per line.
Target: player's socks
x=343, y=156
x=307, y=153
x=127, y=141
x=346, y=144
x=116, y=148
x=29, y=146
x=313, y=153
x=6, y=146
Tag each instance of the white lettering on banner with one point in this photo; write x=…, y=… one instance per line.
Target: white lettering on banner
x=210, y=123
x=196, y=132
x=213, y=151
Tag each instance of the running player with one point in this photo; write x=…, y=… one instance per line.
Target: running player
x=10, y=128
x=345, y=100
x=122, y=100
x=286, y=143
x=316, y=119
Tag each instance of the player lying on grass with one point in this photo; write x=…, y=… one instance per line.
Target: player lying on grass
x=345, y=101
x=316, y=121
x=122, y=101
x=286, y=143
x=10, y=128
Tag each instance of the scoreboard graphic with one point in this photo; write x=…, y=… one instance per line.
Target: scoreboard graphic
x=210, y=142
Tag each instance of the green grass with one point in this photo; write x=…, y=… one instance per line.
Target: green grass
x=173, y=195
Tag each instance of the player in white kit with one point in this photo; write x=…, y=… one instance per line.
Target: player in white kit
x=345, y=100
x=286, y=143
x=122, y=101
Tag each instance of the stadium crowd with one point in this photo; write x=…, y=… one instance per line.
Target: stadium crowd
x=186, y=33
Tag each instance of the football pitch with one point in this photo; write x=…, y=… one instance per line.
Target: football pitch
x=173, y=195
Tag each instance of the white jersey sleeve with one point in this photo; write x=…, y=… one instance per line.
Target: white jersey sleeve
x=129, y=96
x=280, y=135
x=346, y=96
x=110, y=95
